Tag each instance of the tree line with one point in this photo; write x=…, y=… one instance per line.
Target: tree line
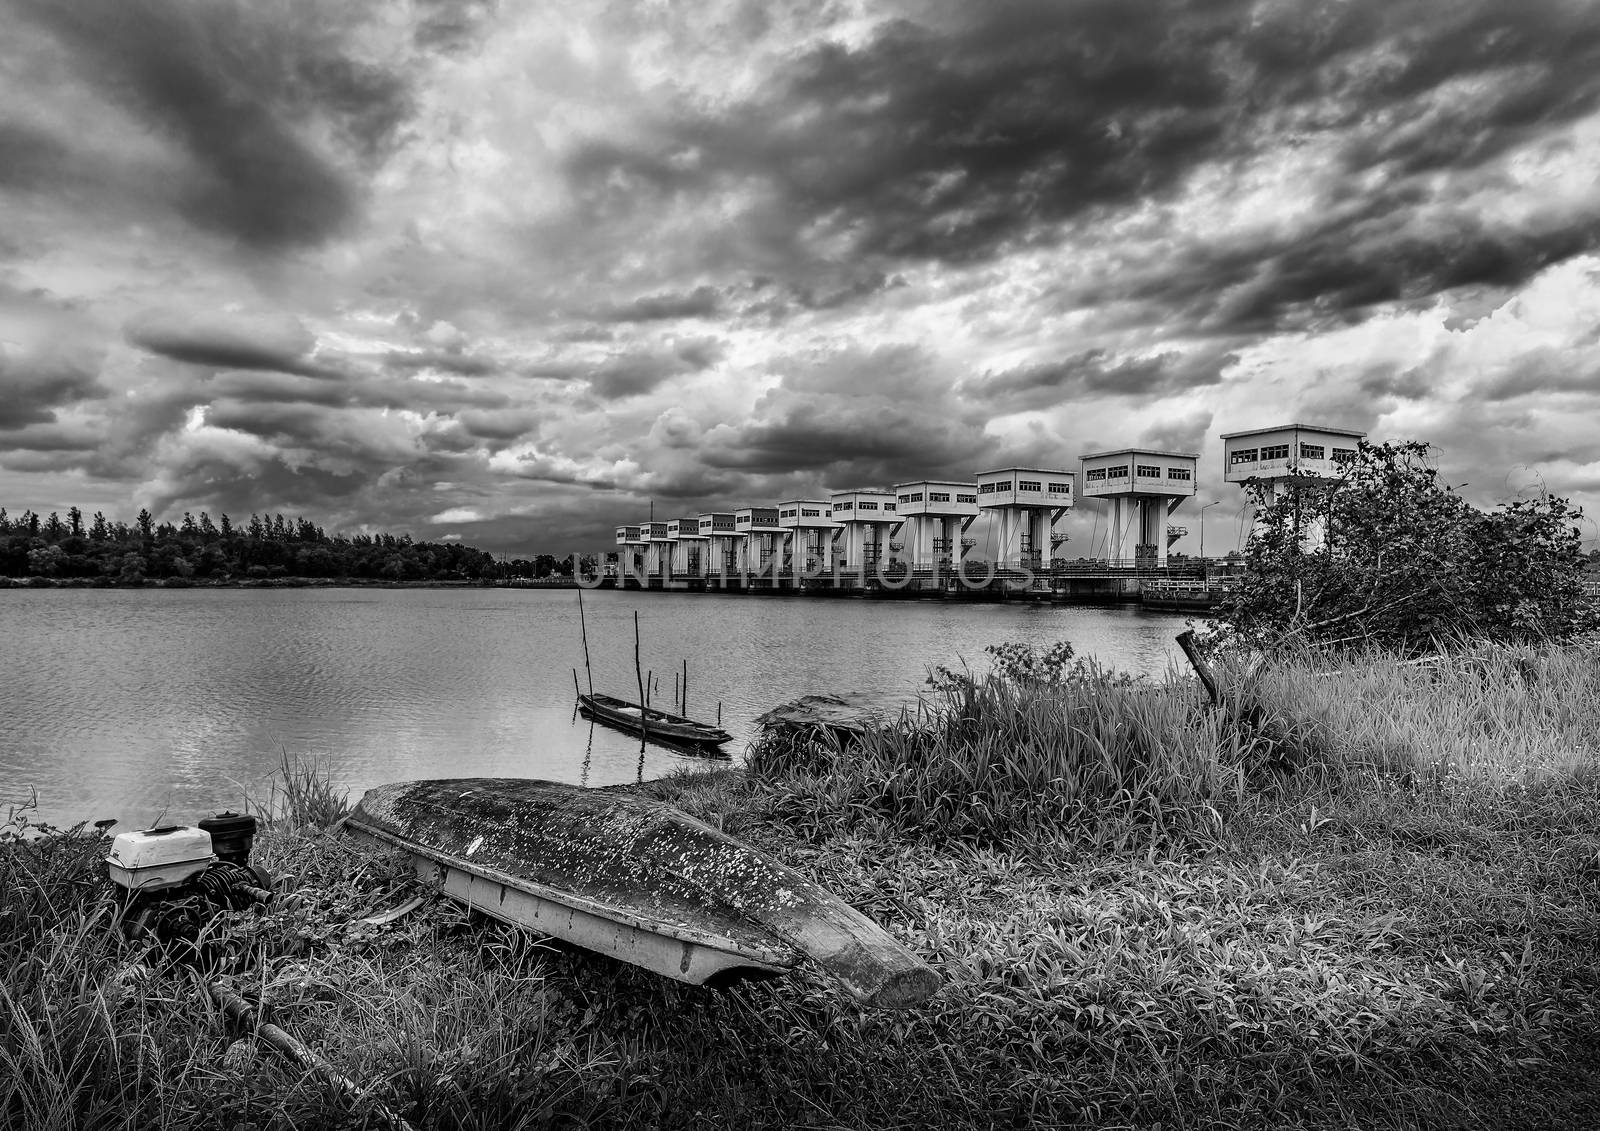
x=99, y=550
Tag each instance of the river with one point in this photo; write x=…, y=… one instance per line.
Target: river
x=147, y=704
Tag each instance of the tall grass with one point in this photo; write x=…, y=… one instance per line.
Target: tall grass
x=989, y=758
x=1513, y=712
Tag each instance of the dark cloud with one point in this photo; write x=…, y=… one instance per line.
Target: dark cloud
x=29, y=158
x=1392, y=381
x=986, y=128
x=229, y=341
x=1542, y=371
x=54, y=437
x=240, y=94
x=294, y=424
x=1098, y=373
x=261, y=387
x=446, y=361
x=1186, y=434
x=702, y=302
x=451, y=25
x=34, y=385
x=499, y=426
x=1343, y=265
x=860, y=415
x=640, y=371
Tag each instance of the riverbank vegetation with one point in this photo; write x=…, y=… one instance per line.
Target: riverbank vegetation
x=1389, y=556
x=75, y=550
x=1355, y=895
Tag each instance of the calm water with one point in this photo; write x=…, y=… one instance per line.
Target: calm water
x=140, y=703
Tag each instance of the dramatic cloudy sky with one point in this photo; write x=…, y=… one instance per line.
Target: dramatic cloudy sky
x=511, y=272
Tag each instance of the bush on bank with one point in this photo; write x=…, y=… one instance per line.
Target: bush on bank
x=1389, y=556
x=1269, y=925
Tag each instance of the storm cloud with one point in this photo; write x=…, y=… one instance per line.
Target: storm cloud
x=524, y=270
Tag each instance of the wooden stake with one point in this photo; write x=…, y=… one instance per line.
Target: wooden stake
x=683, y=708
x=1201, y=668
x=638, y=675
x=576, y=690
x=584, y=628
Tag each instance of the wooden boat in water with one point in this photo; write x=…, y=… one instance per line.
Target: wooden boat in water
x=635, y=879
x=660, y=726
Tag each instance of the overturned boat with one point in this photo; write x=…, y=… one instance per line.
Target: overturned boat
x=635, y=879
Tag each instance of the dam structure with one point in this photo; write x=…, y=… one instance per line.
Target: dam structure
x=935, y=515
x=1143, y=487
x=865, y=520
x=998, y=536
x=1287, y=456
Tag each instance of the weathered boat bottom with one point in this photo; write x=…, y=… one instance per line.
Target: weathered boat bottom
x=696, y=961
x=635, y=879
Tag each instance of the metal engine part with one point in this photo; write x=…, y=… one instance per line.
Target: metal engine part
x=174, y=913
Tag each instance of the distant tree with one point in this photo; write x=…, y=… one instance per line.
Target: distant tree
x=75, y=522
x=208, y=529
x=147, y=524
x=5, y=523
x=189, y=527
x=225, y=525
x=131, y=569
x=100, y=529
x=45, y=561
x=1406, y=561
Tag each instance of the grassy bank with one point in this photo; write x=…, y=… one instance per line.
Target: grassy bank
x=1363, y=899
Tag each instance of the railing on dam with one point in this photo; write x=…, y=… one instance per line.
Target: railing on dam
x=969, y=572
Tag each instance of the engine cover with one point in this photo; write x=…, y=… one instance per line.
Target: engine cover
x=155, y=859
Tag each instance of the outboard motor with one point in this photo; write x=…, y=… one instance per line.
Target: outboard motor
x=177, y=877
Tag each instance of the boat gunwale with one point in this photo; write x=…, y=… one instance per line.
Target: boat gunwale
x=781, y=959
x=654, y=719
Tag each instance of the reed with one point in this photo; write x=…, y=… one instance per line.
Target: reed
x=989, y=758
x=1512, y=712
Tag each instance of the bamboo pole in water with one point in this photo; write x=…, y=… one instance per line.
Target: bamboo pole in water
x=638, y=675
x=684, y=708
x=584, y=628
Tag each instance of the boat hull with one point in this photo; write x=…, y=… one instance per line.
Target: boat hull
x=659, y=726
x=686, y=959
x=635, y=879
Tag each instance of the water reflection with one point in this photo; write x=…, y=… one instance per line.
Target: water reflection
x=131, y=702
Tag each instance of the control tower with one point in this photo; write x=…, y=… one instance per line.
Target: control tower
x=1025, y=503
x=936, y=514
x=722, y=543
x=760, y=538
x=810, y=525
x=688, y=547
x=630, y=554
x=1144, y=486
x=1277, y=455
x=865, y=519
x=657, y=550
